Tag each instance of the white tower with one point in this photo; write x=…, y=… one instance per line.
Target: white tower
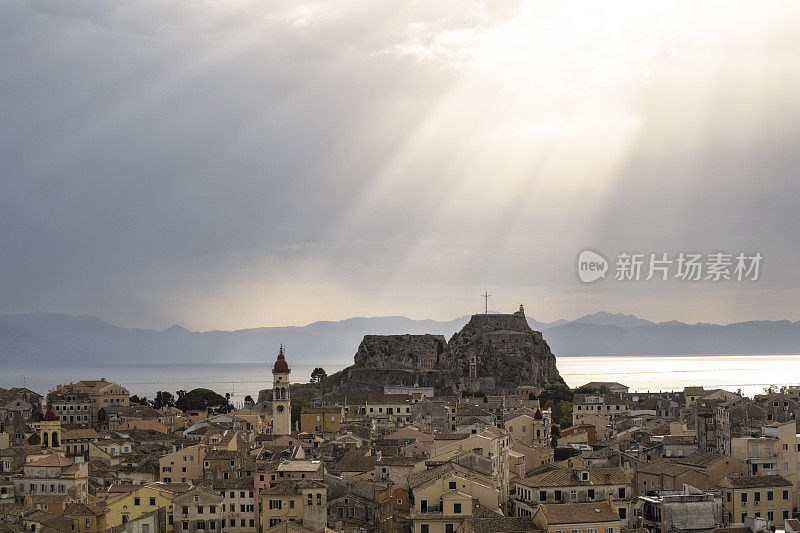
x=281, y=404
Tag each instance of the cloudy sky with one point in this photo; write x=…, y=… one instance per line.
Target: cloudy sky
x=233, y=163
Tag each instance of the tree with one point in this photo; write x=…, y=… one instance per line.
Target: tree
x=201, y=399
x=297, y=403
x=558, y=392
x=318, y=374
x=141, y=401
x=555, y=433
x=248, y=400
x=164, y=399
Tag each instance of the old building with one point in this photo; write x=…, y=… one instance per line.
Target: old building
x=712, y=426
x=559, y=485
x=610, y=406
x=766, y=496
x=600, y=517
x=70, y=406
x=303, y=501
x=198, y=509
x=686, y=510
x=326, y=419
x=54, y=474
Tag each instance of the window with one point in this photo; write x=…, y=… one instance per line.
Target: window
x=152, y=501
x=291, y=504
x=448, y=528
x=591, y=494
x=185, y=525
x=424, y=528
x=621, y=492
x=452, y=485
x=757, y=496
x=212, y=509
x=622, y=512
x=786, y=495
x=769, y=495
x=542, y=495
x=137, y=501
x=185, y=509
x=456, y=508
x=744, y=497
x=199, y=509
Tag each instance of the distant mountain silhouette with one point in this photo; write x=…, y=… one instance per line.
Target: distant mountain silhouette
x=40, y=338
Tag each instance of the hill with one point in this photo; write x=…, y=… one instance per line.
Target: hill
x=54, y=338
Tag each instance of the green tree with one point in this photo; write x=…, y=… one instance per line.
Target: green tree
x=201, y=399
x=555, y=433
x=135, y=399
x=297, y=402
x=318, y=374
x=163, y=399
x=557, y=392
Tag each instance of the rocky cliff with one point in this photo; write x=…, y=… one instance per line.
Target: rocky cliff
x=507, y=353
x=398, y=351
x=506, y=348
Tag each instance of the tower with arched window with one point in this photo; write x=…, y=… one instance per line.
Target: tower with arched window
x=281, y=402
x=50, y=430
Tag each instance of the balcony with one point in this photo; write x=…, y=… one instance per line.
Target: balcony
x=767, y=457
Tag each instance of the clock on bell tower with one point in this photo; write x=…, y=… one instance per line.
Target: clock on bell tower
x=281, y=403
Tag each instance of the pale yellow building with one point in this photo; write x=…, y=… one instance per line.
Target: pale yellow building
x=183, y=466
x=303, y=502
x=127, y=506
x=764, y=496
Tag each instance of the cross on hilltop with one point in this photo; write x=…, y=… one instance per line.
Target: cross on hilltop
x=485, y=297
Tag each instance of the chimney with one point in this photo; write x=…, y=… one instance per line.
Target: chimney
x=611, y=502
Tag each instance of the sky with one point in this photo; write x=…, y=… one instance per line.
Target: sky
x=226, y=164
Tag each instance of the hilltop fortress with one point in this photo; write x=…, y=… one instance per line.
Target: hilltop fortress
x=494, y=353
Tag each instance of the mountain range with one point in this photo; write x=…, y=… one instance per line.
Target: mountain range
x=42, y=338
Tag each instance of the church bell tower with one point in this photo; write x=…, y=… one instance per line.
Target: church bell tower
x=281, y=404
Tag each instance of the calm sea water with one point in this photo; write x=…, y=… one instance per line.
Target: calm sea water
x=750, y=373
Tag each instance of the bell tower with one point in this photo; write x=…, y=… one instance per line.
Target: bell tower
x=50, y=430
x=281, y=403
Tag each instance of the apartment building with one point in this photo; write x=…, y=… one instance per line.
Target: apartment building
x=611, y=406
x=304, y=502
x=71, y=407
x=763, y=496
x=101, y=393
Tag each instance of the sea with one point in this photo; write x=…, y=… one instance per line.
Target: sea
x=750, y=374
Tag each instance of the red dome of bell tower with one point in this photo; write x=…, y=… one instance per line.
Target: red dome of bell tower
x=281, y=366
